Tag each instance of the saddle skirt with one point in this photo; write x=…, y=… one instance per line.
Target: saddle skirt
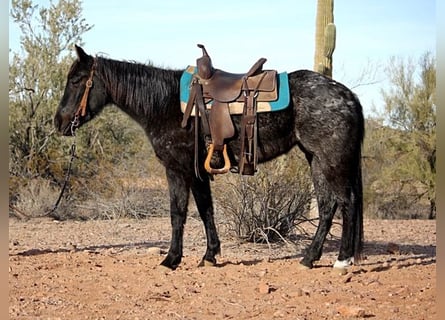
x=235, y=103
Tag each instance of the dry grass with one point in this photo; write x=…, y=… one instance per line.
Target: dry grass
x=36, y=198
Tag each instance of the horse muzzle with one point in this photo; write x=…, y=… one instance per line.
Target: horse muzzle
x=66, y=126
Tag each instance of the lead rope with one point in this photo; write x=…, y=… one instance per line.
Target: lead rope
x=74, y=124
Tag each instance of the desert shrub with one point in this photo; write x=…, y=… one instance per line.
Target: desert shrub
x=118, y=186
x=36, y=198
x=399, y=153
x=269, y=205
x=123, y=191
x=113, y=175
x=401, y=203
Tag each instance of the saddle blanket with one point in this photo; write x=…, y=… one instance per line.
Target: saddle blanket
x=237, y=107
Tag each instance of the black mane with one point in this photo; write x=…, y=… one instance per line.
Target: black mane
x=151, y=91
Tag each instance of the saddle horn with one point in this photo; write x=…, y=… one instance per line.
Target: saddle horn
x=204, y=64
x=204, y=51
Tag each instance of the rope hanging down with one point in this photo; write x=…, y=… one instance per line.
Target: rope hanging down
x=74, y=124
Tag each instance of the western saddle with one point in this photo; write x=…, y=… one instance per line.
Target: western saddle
x=211, y=91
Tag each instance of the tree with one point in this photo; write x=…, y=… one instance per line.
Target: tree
x=36, y=81
x=409, y=168
x=38, y=155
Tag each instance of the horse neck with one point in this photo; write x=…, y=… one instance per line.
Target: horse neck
x=142, y=91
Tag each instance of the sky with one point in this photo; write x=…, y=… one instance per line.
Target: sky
x=236, y=33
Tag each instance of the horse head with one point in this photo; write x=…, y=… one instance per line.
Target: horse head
x=84, y=96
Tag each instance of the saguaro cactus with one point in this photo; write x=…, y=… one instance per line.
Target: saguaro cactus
x=324, y=37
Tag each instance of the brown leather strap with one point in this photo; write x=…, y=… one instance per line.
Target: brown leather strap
x=248, y=156
x=196, y=160
x=190, y=103
x=81, y=111
x=196, y=99
x=199, y=101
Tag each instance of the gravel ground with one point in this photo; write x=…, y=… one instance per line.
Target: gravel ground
x=110, y=270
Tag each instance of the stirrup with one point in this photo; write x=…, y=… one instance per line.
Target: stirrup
x=211, y=170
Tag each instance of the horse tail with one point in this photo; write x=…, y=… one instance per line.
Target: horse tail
x=357, y=194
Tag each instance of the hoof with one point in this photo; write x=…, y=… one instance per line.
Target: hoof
x=340, y=271
x=341, y=266
x=344, y=264
x=170, y=263
x=206, y=263
x=168, y=266
x=302, y=266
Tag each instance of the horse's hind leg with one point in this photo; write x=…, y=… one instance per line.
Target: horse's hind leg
x=203, y=198
x=346, y=254
x=179, y=189
x=352, y=228
x=341, y=190
x=327, y=205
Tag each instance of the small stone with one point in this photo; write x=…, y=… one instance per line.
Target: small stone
x=400, y=291
x=154, y=251
x=351, y=311
x=279, y=314
x=347, y=279
x=300, y=292
x=340, y=271
x=262, y=273
x=263, y=288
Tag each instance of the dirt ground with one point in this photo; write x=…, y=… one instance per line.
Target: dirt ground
x=110, y=270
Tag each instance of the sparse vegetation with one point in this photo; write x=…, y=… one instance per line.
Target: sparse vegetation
x=268, y=206
x=400, y=148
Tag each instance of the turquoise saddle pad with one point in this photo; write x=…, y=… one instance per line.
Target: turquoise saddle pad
x=281, y=103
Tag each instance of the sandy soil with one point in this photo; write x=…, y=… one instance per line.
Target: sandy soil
x=110, y=270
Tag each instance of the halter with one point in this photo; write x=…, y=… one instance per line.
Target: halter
x=81, y=111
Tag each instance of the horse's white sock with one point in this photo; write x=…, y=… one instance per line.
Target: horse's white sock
x=344, y=263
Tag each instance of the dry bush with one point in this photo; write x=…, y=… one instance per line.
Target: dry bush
x=268, y=206
x=397, y=206
x=36, y=198
x=97, y=189
x=128, y=200
x=124, y=189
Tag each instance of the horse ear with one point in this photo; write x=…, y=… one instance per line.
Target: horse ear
x=81, y=54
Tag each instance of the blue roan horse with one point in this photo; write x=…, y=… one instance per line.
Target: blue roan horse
x=324, y=120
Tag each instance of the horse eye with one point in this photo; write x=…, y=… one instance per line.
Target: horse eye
x=76, y=80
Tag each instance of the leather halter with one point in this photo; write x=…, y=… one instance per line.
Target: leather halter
x=81, y=111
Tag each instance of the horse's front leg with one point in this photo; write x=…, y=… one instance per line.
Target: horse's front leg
x=203, y=198
x=179, y=189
